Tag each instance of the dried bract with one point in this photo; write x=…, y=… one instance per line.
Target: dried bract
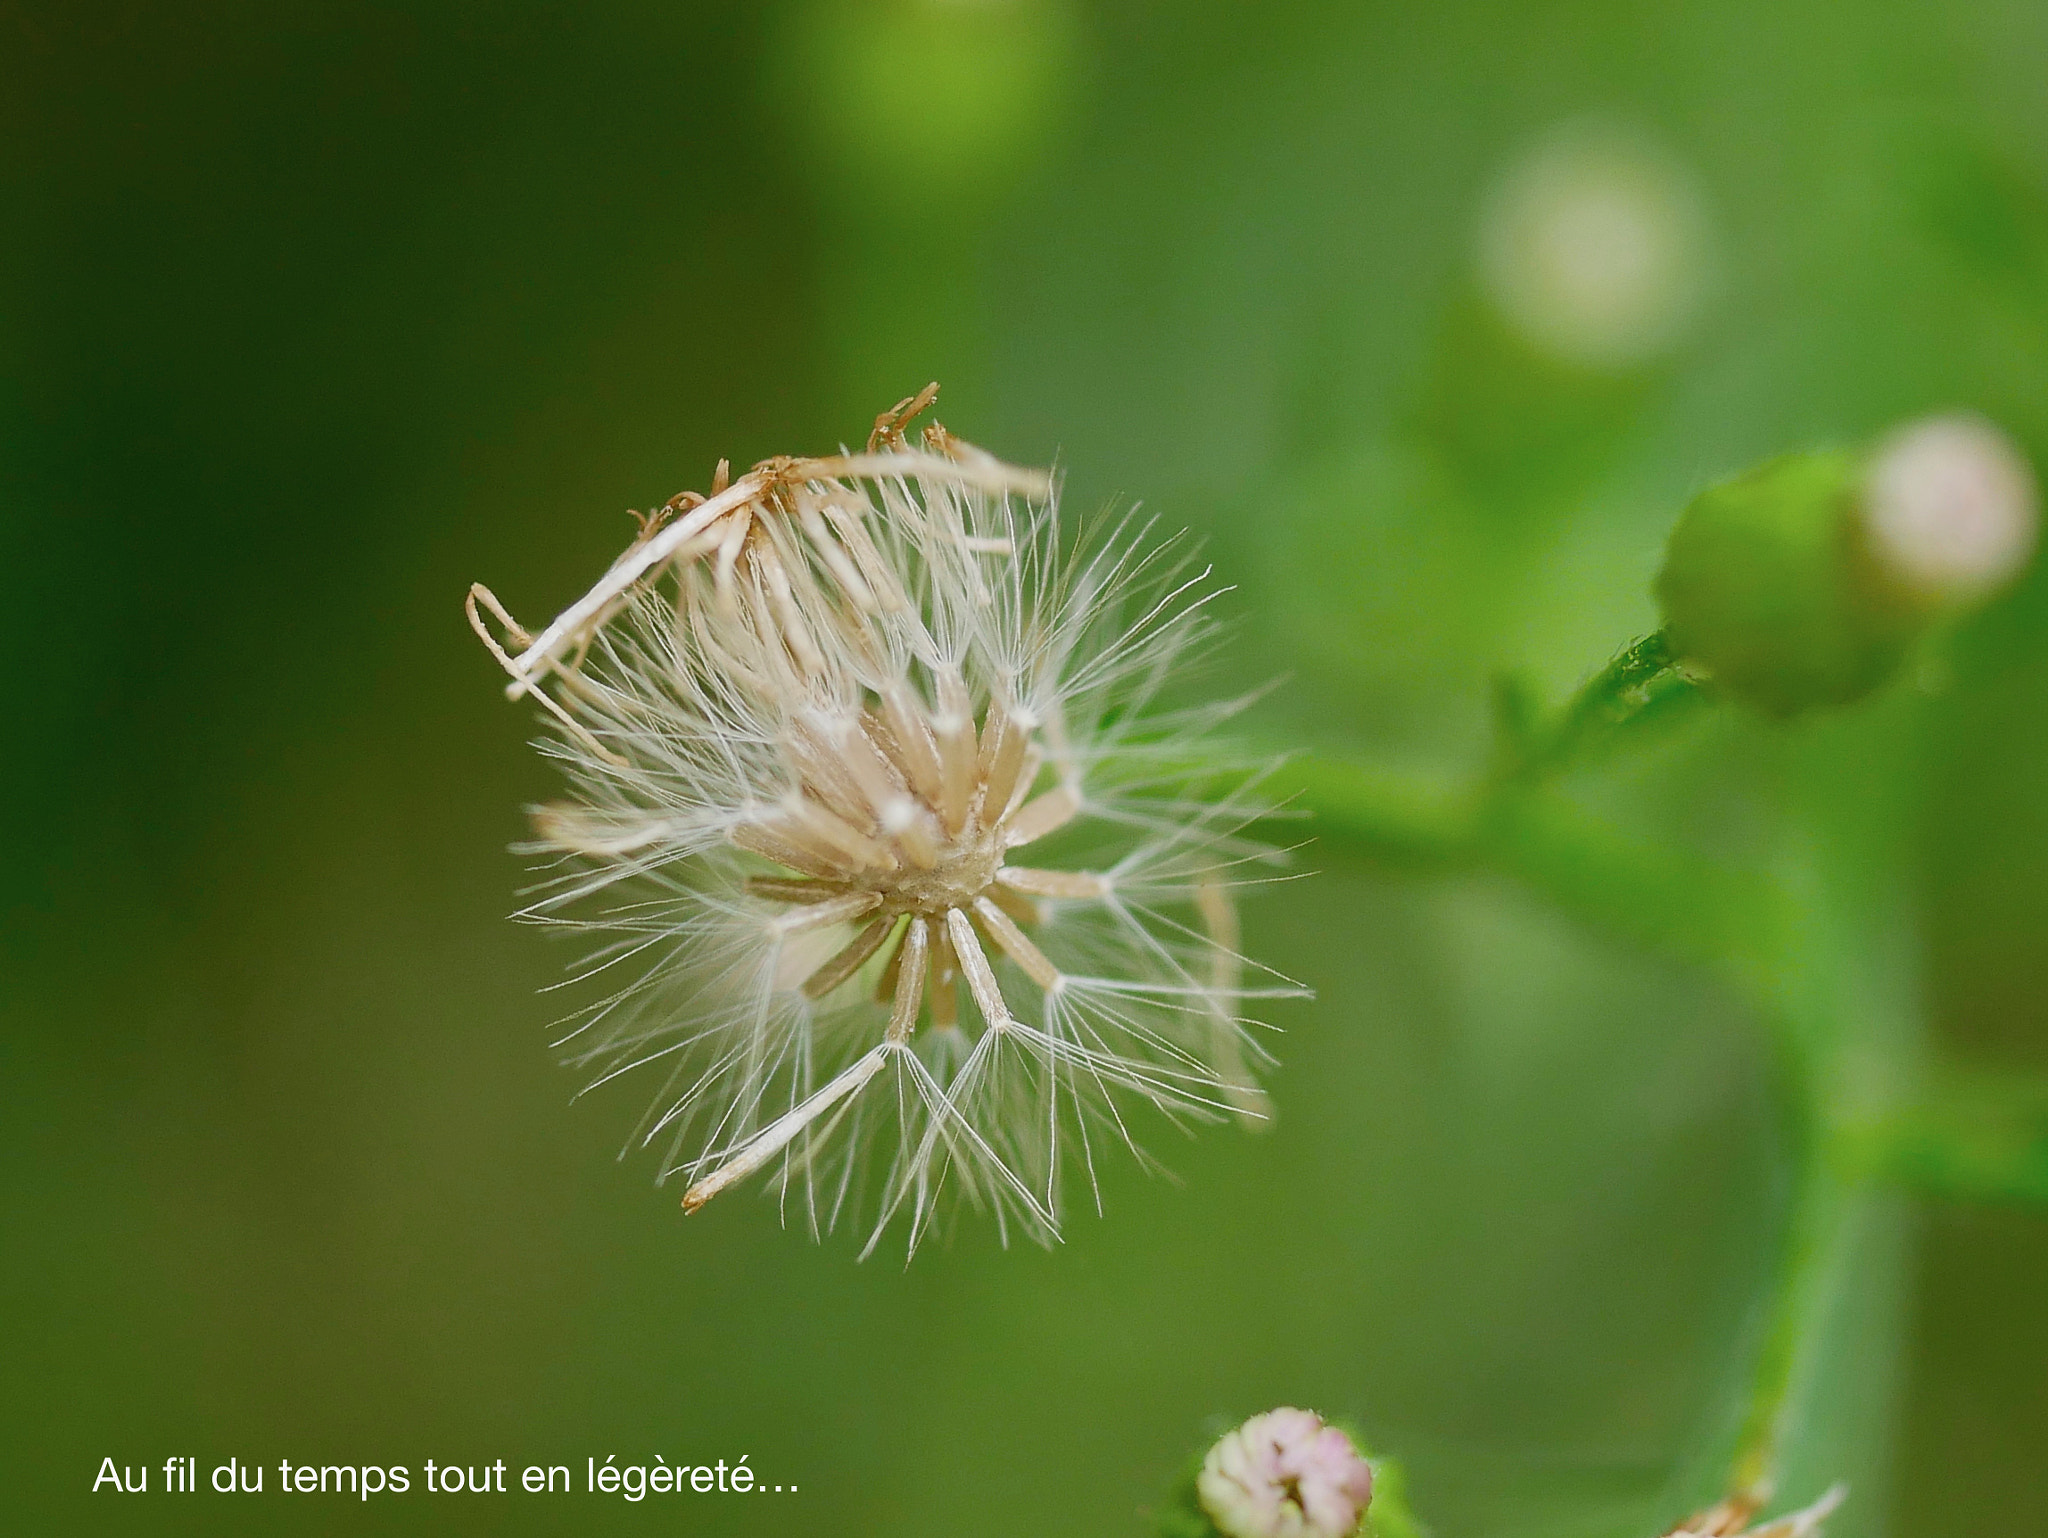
x=817, y=728
x=1731, y=1518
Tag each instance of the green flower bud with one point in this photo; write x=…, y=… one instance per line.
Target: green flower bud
x=1806, y=581
x=1767, y=585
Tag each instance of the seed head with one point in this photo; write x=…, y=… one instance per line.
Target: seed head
x=817, y=728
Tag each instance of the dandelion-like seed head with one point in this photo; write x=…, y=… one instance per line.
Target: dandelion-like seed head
x=817, y=727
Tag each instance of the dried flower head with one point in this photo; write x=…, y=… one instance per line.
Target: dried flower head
x=817, y=727
x=1285, y=1474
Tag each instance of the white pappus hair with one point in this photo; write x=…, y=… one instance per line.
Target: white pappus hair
x=817, y=730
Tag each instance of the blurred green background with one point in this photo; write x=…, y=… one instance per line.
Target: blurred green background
x=315, y=313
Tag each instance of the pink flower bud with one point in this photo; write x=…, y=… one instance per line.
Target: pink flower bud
x=1285, y=1474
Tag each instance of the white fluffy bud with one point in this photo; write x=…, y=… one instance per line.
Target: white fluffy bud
x=1951, y=507
x=1593, y=247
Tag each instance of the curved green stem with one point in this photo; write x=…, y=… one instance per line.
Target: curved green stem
x=1379, y=814
x=1798, y=1300
x=1777, y=948
x=1643, y=685
x=1976, y=1136
x=1673, y=903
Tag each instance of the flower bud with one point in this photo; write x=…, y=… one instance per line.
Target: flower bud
x=1594, y=247
x=1805, y=581
x=1951, y=508
x=1285, y=1474
x=1765, y=586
